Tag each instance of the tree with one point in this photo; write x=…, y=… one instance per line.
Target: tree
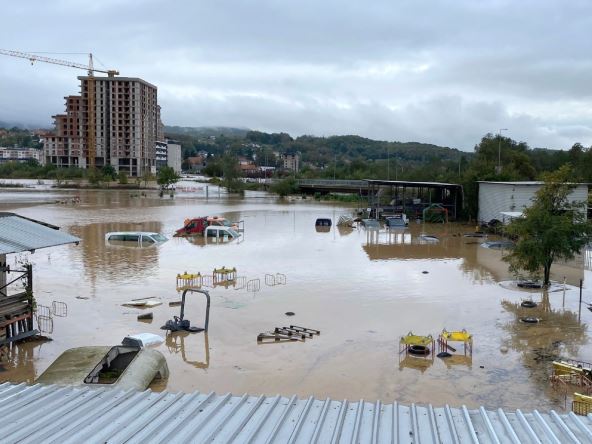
x=231, y=173
x=552, y=228
x=109, y=172
x=285, y=187
x=167, y=177
x=123, y=180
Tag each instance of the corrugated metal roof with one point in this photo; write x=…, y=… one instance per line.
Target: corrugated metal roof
x=19, y=234
x=526, y=182
x=48, y=413
x=413, y=183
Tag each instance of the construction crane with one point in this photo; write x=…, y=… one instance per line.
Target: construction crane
x=91, y=118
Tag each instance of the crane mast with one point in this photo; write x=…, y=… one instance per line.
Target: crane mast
x=91, y=139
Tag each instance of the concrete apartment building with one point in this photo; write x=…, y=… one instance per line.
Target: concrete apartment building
x=174, y=156
x=127, y=119
x=21, y=155
x=291, y=161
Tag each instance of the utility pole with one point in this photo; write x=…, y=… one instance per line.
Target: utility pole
x=388, y=162
x=334, y=164
x=499, y=151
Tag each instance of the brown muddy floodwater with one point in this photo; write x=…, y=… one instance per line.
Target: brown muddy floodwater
x=363, y=290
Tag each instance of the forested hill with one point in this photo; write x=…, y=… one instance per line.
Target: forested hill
x=324, y=149
x=205, y=131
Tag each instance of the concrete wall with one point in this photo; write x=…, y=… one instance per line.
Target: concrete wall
x=495, y=197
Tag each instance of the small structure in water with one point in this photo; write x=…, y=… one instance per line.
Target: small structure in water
x=224, y=276
x=416, y=345
x=456, y=336
x=188, y=280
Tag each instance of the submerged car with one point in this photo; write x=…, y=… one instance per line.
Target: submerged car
x=221, y=233
x=134, y=238
x=397, y=221
x=197, y=225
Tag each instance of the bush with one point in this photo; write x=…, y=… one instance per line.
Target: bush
x=122, y=178
x=285, y=187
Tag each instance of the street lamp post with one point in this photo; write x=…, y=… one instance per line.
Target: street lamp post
x=499, y=151
x=388, y=163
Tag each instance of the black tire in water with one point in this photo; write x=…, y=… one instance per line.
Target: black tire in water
x=419, y=350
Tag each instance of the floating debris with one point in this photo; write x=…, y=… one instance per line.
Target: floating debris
x=145, y=316
x=146, y=303
x=286, y=334
x=345, y=221
x=254, y=285
x=529, y=320
x=290, y=313
x=59, y=309
x=528, y=304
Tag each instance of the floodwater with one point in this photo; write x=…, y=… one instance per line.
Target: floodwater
x=363, y=290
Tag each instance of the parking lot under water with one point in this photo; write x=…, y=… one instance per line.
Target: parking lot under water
x=362, y=290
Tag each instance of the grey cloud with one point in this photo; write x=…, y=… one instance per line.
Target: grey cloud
x=445, y=72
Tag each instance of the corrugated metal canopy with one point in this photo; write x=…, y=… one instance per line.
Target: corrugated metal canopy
x=48, y=413
x=18, y=233
x=404, y=183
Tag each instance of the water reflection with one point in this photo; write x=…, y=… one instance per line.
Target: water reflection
x=415, y=362
x=115, y=261
x=19, y=364
x=558, y=333
x=186, y=344
x=411, y=244
x=487, y=263
x=458, y=360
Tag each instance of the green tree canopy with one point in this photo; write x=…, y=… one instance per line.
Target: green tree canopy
x=553, y=227
x=167, y=177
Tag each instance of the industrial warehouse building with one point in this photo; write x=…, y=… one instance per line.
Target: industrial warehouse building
x=504, y=200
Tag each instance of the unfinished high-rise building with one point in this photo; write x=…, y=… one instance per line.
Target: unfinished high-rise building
x=126, y=125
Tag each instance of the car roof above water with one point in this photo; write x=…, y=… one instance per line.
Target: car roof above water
x=139, y=233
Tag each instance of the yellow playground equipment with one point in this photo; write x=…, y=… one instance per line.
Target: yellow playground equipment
x=224, y=276
x=188, y=280
x=581, y=404
x=416, y=345
x=456, y=336
x=570, y=372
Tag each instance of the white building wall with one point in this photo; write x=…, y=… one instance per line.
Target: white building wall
x=174, y=156
x=498, y=197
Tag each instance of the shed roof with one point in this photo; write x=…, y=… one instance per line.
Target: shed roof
x=405, y=183
x=49, y=413
x=19, y=233
x=525, y=182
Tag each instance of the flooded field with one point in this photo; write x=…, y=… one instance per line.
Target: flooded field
x=363, y=290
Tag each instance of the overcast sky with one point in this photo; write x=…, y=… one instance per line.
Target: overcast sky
x=443, y=72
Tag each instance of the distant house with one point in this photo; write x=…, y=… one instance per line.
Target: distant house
x=506, y=200
x=196, y=163
x=291, y=161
